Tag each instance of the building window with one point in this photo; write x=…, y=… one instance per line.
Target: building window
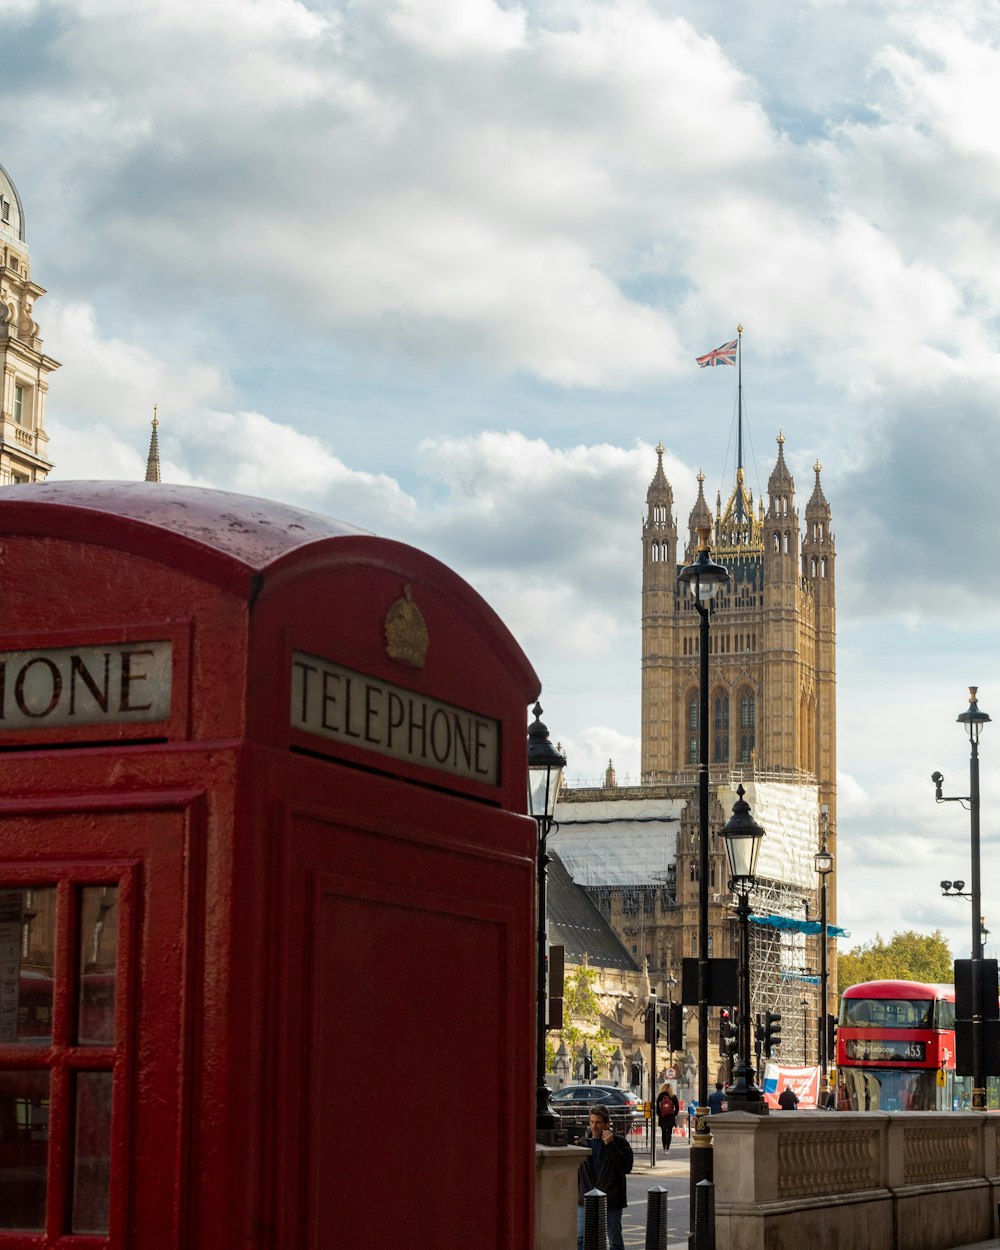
x=748, y=719
x=694, y=724
x=721, y=754
x=19, y=404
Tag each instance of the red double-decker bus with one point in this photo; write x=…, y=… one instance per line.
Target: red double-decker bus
x=896, y=1048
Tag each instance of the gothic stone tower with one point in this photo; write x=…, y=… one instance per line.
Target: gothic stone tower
x=772, y=699
x=23, y=441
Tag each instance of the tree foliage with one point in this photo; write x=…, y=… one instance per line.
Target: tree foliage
x=581, y=1013
x=907, y=956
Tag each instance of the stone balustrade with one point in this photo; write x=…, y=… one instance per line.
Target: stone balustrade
x=855, y=1181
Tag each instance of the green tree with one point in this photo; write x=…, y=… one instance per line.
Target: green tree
x=907, y=956
x=581, y=1014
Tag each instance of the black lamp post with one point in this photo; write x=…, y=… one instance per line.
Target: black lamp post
x=545, y=770
x=823, y=862
x=973, y=720
x=743, y=838
x=804, y=1004
x=704, y=578
x=671, y=984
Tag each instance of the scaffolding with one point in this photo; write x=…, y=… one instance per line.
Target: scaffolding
x=783, y=976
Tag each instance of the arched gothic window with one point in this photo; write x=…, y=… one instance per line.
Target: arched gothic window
x=694, y=724
x=748, y=725
x=720, y=754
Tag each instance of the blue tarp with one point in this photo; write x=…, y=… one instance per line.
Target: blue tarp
x=799, y=926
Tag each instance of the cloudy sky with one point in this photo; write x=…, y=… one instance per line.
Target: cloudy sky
x=441, y=268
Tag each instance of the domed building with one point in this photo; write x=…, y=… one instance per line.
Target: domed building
x=23, y=441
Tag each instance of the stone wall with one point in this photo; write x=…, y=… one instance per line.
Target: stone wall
x=855, y=1181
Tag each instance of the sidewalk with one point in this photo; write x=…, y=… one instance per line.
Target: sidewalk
x=672, y=1162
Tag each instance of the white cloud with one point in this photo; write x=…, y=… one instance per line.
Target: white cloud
x=443, y=225
x=443, y=29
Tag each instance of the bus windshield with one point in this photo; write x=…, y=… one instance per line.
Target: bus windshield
x=887, y=1013
x=877, y=1090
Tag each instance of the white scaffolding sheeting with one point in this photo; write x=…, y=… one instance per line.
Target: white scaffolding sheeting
x=617, y=841
x=789, y=816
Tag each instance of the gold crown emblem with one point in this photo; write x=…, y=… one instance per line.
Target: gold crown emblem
x=406, y=636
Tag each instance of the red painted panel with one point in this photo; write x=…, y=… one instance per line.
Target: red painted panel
x=408, y=959
x=413, y=1025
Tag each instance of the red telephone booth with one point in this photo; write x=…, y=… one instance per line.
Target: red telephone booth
x=266, y=904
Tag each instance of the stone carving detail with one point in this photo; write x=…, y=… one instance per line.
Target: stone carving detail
x=825, y=1162
x=938, y=1153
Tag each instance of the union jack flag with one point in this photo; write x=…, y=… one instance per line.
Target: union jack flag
x=724, y=355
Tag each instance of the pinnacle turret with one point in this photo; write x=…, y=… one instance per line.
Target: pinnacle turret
x=153, y=459
x=660, y=490
x=817, y=507
x=701, y=516
x=659, y=527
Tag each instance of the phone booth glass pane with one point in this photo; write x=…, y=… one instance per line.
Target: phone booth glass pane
x=24, y=1137
x=98, y=940
x=59, y=958
x=92, y=1152
x=27, y=951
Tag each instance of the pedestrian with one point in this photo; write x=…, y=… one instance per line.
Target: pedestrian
x=667, y=1111
x=788, y=1099
x=717, y=1099
x=609, y=1163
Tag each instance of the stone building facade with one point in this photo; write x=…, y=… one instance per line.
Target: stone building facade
x=23, y=440
x=772, y=709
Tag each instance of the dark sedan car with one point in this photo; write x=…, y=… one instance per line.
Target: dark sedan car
x=572, y=1105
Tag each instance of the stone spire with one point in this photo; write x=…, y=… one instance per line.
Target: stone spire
x=780, y=484
x=817, y=508
x=818, y=546
x=700, y=518
x=660, y=490
x=659, y=530
x=153, y=459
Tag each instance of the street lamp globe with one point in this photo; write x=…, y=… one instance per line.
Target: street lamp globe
x=545, y=771
x=743, y=838
x=704, y=577
x=823, y=862
x=972, y=718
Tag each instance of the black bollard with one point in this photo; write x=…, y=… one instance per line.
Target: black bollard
x=595, y=1220
x=656, y=1218
x=704, y=1217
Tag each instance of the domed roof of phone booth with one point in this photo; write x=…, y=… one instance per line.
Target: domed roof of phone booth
x=215, y=535
x=224, y=534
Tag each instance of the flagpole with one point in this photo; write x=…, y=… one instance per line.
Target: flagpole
x=739, y=392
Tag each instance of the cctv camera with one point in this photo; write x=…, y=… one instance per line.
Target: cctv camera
x=937, y=778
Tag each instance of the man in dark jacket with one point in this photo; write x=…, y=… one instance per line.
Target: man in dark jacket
x=788, y=1100
x=609, y=1163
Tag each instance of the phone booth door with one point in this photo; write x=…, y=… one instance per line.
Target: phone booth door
x=91, y=1021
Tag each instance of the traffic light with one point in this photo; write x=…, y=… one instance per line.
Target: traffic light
x=772, y=1032
x=831, y=1038
x=676, y=1027
x=653, y=1022
x=727, y=1032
